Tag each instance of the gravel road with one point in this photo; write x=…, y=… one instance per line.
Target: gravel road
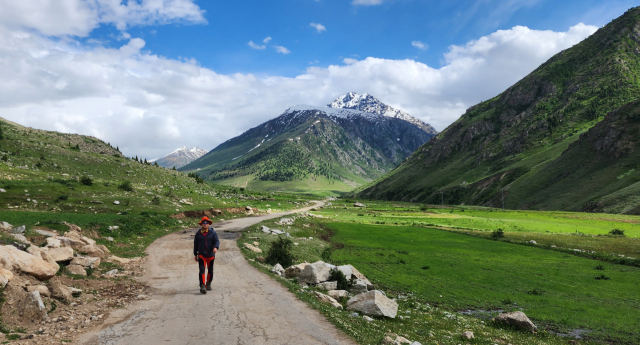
x=245, y=306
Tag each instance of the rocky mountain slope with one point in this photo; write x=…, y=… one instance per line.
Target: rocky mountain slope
x=180, y=157
x=542, y=139
x=354, y=140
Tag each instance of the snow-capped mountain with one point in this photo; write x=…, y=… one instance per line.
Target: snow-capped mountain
x=369, y=104
x=354, y=140
x=180, y=157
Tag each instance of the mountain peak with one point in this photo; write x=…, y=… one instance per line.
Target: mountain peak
x=180, y=157
x=369, y=104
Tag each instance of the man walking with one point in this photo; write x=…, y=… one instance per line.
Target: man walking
x=205, y=247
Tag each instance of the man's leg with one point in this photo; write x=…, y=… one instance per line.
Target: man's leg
x=210, y=273
x=201, y=278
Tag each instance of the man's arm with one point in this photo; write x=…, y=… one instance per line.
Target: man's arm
x=195, y=246
x=216, y=241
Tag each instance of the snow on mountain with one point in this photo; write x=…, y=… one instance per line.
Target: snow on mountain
x=180, y=157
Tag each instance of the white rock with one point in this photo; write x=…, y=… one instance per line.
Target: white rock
x=467, y=335
x=86, y=261
x=44, y=233
x=294, y=270
x=5, y=226
x=111, y=273
x=337, y=294
x=116, y=202
x=359, y=286
x=13, y=259
x=252, y=248
x=20, y=238
x=113, y=227
x=327, y=299
x=18, y=230
x=266, y=229
x=315, y=273
x=328, y=285
x=517, y=319
x=53, y=242
x=277, y=269
x=373, y=303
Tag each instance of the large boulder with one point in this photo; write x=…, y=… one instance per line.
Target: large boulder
x=315, y=273
x=327, y=299
x=359, y=286
x=53, y=242
x=5, y=277
x=32, y=308
x=59, y=291
x=77, y=270
x=86, y=261
x=61, y=254
x=20, y=238
x=373, y=303
x=338, y=293
x=4, y=226
x=517, y=319
x=294, y=270
x=19, y=230
x=41, y=253
x=328, y=285
x=13, y=259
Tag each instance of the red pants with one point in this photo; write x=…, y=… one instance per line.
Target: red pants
x=203, y=262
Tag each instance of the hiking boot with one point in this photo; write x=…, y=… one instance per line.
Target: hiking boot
x=209, y=286
x=202, y=289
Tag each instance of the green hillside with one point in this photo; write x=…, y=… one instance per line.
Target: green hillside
x=537, y=139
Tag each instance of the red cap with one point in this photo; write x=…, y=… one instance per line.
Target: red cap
x=205, y=218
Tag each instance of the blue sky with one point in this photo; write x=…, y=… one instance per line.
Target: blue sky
x=352, y=31
x=153, y=75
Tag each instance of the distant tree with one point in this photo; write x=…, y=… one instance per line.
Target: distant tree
x=156, y=164
x=1, y=133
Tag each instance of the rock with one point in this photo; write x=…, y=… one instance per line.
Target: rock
x=5, y=277
x=119, y=260
x=294, y=270
x=256, y=243
x=266, y=230
x=43, y=290
x=328, y=285
x=533, y=242
x=53, y=242
x=32, y=308
x=402, y=340
x=324, y=298
x=4, y=226
x=261, y=259
x=373, y=303
x=45, y=233
x=517, y=319
x=113, y=227
x=62, y=254
x=19, y=230
x=315, y=273
x=366, y=318
x=277, y=232
x=468, y=335
x=357, y=204
x=59, y=291
x=20, y=238
x=75, y=292
x=359, y=286
x=110, y=239
x=15, y=260
x=86, y=261
x=42, y=253
x=2, y=190
x=252, y=248
x=248, y=208
x=337, y=294
x=111, y=273
x=388, y=341
x=77, y=270
x=116, y=202
x=346, y=270
x=277, y=269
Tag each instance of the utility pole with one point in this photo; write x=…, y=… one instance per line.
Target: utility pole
x=503, y=199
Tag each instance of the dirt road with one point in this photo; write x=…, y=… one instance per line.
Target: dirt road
x=245, y=306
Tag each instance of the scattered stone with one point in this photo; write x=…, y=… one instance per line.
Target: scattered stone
x=517, y=319
x=44, y=233
x=77, y=270
x=15, y=260
x=366, y=318
x=468, y=335
x=4, y=226
x=277, y=269
x=357, y=204
x=359, y=286
x=32, y=308
x=256, y=243
x=261, y=259
x=338, y=293
x=53, y=242
x=110, y=239
x=354, y=315
x=20, y=238
x=373, y=303
x=315, y=273
x=533, y=242
x=59, y=291
x=2, y=190
x=248, y=208
x=333, y=285
x=86, y=261
x=113, y=227
x=75, y=292
x=42, y=290
x=116, y=202
x=62, y=254
x=5, y=277
x=19, y=230
x=252, y=248
x=266, y=230
x=111, y=273
x=327, y=299
x=294, y=270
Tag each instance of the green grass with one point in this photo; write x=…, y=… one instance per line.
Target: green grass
x=467, y=272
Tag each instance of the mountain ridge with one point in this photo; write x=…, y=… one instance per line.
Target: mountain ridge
x=180, y=157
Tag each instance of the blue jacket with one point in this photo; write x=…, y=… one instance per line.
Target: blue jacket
x=203, y=245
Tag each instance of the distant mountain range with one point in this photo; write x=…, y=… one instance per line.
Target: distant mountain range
x=353, y=140
x=180, y=157
x=565, y=137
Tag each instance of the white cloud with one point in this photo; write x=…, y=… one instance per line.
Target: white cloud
x=114, y=93
x=266, y=40
x=80, y=17
x=367, y=2
x=255, y=46
x=281, y=49
x=319, y=27
x=420, y=45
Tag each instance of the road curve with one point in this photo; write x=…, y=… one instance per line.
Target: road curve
x=245, y=306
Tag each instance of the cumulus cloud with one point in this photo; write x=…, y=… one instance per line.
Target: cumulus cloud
x=255, y=46
x=282, y=50
x=148, y=104
x=319, y=27
x=367, y=2
x=80, y=17
x=420, y=45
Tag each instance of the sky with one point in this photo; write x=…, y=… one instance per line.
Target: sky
x=150, y=76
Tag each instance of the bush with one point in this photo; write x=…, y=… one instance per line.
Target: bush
x=126, y=186
x=62, y=198
x=616, y=232
x=86, y=180
x=338, y=276
x=280, y=252
x=497, y=234
x=155, y=200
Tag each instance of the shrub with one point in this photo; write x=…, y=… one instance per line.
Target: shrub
x=343, y=282
x=155, y=200
x=126, y=186
x=497, y=234
x=602, y=277
x=62, y=198
x=86, y=180
x=616, y=232
x=599, y=268
x=280, y=252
